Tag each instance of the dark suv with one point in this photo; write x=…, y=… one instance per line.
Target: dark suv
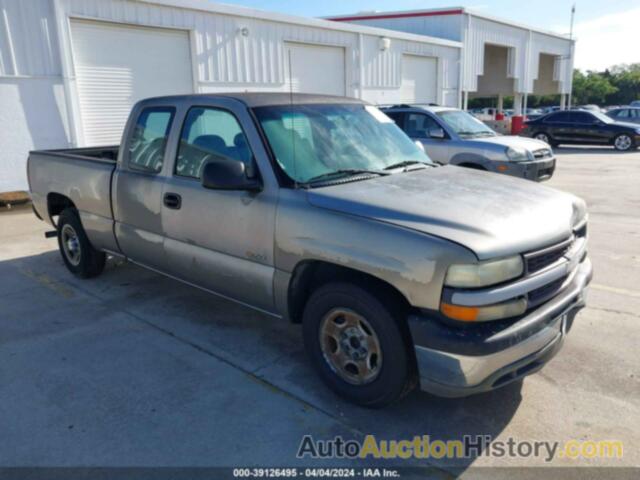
x=580, y=127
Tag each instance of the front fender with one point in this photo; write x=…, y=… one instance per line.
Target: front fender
x=412, y=262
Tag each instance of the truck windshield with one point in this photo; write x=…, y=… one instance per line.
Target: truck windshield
x=465, y=125
x=331, y=141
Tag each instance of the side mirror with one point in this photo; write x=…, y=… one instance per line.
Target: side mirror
x=228, y=174
x=437, y=133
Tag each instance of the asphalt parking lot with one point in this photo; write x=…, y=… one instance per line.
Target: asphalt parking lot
x=133, y=369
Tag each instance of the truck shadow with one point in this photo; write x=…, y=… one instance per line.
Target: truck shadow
x=265, y=349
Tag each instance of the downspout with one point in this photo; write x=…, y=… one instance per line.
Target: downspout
x=527, y=73
x=360, y=66
x=64, y=49
x=12, y=52
x=463, y=96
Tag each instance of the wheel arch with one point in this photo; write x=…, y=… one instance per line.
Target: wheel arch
x=56, y=203
x=311, y=274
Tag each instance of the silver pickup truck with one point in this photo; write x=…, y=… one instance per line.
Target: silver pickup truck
x=322, y=211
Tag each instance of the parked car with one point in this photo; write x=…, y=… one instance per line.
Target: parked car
x=589, y=108
x=452, y=136
x=625, y=114
x=578, y=127
x=320, y=210
x=635, y=103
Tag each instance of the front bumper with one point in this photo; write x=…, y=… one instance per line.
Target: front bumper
x=537, y=170
x=459, y=362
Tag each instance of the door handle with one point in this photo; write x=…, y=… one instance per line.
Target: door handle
x=172, y=200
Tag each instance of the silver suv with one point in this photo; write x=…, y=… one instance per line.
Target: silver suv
x=452, y=136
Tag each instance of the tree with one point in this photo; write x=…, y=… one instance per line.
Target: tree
x=617, y=85
x=592, y=87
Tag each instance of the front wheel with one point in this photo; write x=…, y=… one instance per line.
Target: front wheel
x=356, y=345
x=623, y=143
x=77, y=252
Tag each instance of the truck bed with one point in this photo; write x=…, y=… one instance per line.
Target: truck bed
x=82, y=175
x=103, y=154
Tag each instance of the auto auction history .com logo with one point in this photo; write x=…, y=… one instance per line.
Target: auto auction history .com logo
x=470, y=446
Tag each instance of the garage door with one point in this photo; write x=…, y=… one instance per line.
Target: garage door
x=419, y=79
x=315, y=69
x=117, y=65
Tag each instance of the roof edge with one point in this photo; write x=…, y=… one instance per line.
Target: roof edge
x=433, y=12
x=255, y=14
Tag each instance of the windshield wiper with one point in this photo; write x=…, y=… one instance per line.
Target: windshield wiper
x=342, y=172
x=405, y=163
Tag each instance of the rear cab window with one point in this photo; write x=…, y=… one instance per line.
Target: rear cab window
x=148, y=140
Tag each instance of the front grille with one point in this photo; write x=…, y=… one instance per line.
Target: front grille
x=539, y=295
x=542, y=153
x=540, y=260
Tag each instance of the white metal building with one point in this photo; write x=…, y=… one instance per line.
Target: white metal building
x=71, y=69
x=500, y=57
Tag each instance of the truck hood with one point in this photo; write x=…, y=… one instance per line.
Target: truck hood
x=492, y=215
x=530, y=144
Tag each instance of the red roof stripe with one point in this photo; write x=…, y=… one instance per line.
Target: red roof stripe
x=398, y=15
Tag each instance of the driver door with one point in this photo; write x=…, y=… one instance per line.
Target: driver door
x=221, y=240
x=421, y=127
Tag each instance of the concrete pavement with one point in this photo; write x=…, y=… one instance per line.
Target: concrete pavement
x=134, y=369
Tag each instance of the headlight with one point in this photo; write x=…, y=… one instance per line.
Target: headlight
x=485, y=273
x=517, y=154
x=512, y=308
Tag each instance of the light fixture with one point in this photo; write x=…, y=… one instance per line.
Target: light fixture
x=244, y=31
x=385, y=43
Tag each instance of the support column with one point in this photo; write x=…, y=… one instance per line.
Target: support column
x=517, y=104
x=563, y=101
x=524, y=104
x=465, y=100
x=500, y=102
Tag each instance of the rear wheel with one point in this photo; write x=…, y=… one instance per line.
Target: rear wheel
x=623, y=142
x=77, y=252
x=357, y=346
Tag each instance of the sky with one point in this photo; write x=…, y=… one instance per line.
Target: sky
x=606, y=30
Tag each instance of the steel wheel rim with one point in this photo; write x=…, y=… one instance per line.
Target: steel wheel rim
x=543, y=137
x=623, y=142
x=70, y=245
x=350, y=346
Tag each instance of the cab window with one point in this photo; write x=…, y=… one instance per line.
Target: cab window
x=149, y=139
x=210, y=134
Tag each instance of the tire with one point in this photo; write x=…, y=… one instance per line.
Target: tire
x=544, y=137
x=623, y=143
x=390, y=374
x=78, y=254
